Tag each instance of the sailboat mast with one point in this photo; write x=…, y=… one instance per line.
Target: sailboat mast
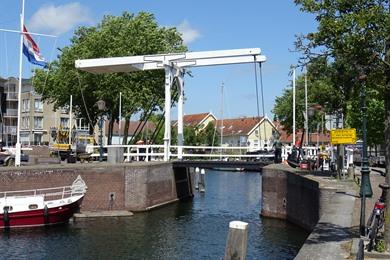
x=18, y=144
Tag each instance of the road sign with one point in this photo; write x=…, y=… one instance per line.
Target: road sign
x=343, y=136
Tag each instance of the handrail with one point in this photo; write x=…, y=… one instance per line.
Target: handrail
x=154, y=152
x=46, y=192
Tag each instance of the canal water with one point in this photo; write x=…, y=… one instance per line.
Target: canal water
x=195, y=229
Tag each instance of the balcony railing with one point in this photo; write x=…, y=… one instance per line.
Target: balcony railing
x=10, y=130
x=12, y=96
x=11, y=112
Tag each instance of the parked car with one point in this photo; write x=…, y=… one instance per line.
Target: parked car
x=7, y=156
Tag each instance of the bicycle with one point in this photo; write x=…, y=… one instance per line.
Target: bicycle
x=376, y=220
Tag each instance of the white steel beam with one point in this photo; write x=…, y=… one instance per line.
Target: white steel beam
x=151, y=62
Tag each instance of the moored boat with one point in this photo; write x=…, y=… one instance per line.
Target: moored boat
x=41, y=207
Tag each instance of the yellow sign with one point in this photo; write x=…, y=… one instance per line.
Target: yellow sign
x=343, y=136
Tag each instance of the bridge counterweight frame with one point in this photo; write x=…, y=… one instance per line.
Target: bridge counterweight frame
x=174, y=65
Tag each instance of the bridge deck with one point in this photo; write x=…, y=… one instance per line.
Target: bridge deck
x=247, y=165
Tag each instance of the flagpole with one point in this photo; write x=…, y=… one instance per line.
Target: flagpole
x=18, y=144
x=120, y=117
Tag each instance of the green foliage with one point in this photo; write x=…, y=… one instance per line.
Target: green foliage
x=190, y=136
x=114, y=36
x=350, y=41
x=318, y=94
x=209, y=136
x=380, y=246
x=375, y=123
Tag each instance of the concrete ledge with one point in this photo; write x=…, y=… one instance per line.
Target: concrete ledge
x=108, y=213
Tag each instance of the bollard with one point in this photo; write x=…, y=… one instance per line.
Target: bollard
x=202, y=182
x=197, y=178
x=237, y=240
x=351, y=172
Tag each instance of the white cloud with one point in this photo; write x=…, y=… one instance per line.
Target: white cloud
x=58, y=19
x=189, y=34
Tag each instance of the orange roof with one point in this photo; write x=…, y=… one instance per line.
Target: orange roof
x=238, y=126
x=287, y=138
x=194, y=119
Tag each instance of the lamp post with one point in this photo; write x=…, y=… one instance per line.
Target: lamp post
x=101, y=106
x=365, y=186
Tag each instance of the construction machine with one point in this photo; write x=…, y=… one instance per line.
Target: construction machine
x=80, y=147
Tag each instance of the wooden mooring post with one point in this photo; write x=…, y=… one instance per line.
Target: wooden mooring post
x=237, y=241
x=197, y=178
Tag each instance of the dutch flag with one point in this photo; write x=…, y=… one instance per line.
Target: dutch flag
x=31, y=50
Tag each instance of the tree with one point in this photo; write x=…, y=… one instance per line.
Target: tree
x=318, y=94
x=208, y=135
x=356, y=35
x=115, y=36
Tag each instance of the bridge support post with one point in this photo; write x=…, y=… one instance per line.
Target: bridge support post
x=237, y=241
x=167, y=132
x=180, y=102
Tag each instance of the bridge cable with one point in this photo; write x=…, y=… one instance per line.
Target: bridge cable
x=262, y=97
x=143, y=120
x=159, y=124
x=257, y=102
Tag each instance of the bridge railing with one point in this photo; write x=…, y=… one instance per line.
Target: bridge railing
x=156, y=152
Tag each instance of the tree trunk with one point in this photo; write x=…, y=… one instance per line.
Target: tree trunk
x=387, y=154
x=126, y=130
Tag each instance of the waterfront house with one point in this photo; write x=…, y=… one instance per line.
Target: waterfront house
x=197, y=121
x=144, y=130
x=253, y=132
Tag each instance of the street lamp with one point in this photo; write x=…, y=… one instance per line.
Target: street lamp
x=365, y=186
x=101, y=106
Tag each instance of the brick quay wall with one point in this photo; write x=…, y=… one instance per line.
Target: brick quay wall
x=128, y=186
x=289, y=194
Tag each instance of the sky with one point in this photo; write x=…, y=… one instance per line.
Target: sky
x=205, y=26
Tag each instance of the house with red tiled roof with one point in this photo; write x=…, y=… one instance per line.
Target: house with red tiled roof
x=253, y=132
x=144, y=129
x=198, y=121
x=315, y=139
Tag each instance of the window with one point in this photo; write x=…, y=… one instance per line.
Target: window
x=38, y=122
x=64, y=110
x=38, y=105
x=64, y=122
x=37, y=139
x=25, y=105
x=33, y=206
x=25, y=122
x=7, y=208
x=257, y=132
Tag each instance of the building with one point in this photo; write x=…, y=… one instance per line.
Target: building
x=38, y=119
x=253, y=132
x=197, y=121
x=144, y=130
x=315, y=138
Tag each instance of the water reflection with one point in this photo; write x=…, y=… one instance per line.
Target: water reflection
x=194, y=229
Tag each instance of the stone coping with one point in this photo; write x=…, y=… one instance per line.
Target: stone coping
x=108, y=213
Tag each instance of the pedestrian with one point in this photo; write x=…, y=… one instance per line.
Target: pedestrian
x=277, y=145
